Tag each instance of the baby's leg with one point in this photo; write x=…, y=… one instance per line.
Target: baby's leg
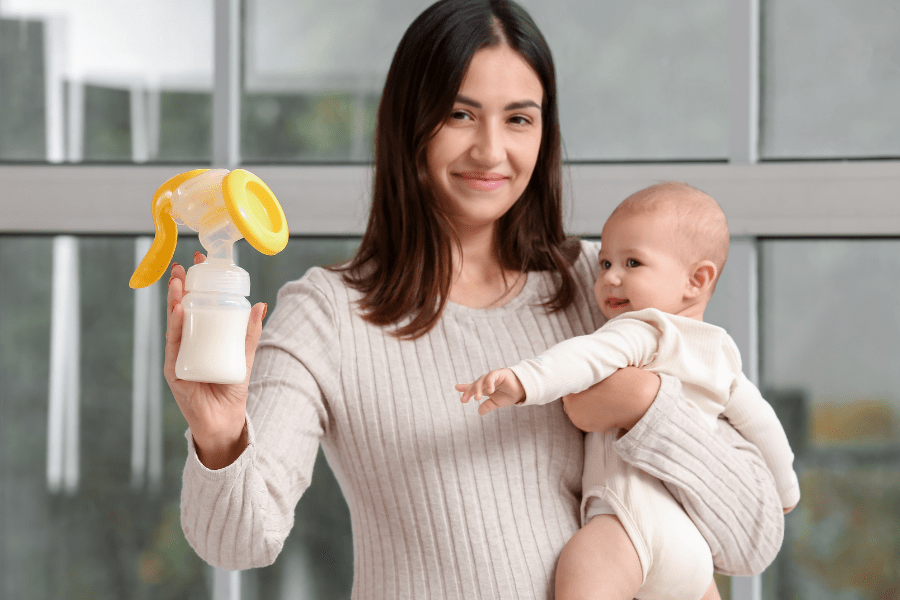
x=712, y=593
x=675, y=559
x=599, y=562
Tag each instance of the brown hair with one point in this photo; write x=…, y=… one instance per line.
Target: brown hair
x=404, y=265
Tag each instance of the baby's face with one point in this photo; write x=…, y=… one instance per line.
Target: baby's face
x=640, y=266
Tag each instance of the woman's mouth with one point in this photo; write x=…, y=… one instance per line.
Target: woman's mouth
x=484, y=182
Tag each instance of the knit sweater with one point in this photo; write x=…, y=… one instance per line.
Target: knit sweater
x=444, y=503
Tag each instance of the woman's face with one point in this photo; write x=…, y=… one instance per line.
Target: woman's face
x=482, y=157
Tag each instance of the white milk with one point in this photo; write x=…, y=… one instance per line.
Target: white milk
x=213, y=343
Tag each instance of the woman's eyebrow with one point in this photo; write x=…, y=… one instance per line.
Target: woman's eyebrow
x=511, y=106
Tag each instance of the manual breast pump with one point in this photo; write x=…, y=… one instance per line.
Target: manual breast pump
x=223, y=206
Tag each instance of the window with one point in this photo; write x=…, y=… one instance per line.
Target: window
x=125, y=93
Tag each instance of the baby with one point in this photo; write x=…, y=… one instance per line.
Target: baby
x=662, y=251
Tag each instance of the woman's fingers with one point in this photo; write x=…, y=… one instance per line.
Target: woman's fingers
x=199, y=257
x=173, y=340
x=254, y=331
x=175, y=292
x=174, y=319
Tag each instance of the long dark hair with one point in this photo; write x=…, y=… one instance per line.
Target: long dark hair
x=404, y=264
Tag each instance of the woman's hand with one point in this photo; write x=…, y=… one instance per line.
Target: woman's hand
x=216, y=413
x=617, y=402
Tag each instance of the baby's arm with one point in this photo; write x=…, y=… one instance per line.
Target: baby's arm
x=576, y=364
x=501, y=387
x=570, y=366
x=757, y=422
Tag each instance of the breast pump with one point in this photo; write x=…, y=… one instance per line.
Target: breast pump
x=223, y=206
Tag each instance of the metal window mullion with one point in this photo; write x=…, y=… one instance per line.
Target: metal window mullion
x=226, y=153
x=54, y=84
x=156, y=327
x=226, y=83
x=146, y=392
x=140, y=375
x=75, y=121
x=64, y=385
x=743, y=144
x=743, y=149
x=140, y=133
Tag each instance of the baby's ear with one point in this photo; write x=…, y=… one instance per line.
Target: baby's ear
x=702, y=276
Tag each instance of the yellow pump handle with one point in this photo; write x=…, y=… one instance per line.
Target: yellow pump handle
x=157, y=259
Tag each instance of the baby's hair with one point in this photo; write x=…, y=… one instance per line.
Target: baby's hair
x=697, y=216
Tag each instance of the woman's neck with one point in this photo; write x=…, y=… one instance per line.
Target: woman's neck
x=479, y=280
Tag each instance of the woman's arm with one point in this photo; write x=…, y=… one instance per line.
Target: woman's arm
x=619, y=401
x=238, y=516
x=719, y=478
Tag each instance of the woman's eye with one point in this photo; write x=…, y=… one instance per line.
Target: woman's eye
x=519, y=120
x=459, y=115
x=632, y=263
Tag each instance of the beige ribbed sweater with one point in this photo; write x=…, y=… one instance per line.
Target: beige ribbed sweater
x=446, y=504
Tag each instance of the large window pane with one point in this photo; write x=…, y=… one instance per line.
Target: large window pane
x=111, y=534
x=829, y=365
x=115, y=532
x=637, y=80
x=105, y=80
x=830, y=79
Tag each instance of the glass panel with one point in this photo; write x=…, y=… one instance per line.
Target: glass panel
x=185, y=126
x=22, y=135
x=107, y=124
x=108, y=538
x=105, y=80
x=118, y=535
x=829, y=325
x=637, y=80
x=832, y=91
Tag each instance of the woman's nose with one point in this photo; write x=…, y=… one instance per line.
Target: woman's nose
x=487, y=148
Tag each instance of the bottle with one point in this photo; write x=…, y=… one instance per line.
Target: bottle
x=216, y=314
x=223, y=206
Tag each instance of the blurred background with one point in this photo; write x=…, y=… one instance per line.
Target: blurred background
x=91, y=442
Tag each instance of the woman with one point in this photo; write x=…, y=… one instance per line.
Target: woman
x=464, y=266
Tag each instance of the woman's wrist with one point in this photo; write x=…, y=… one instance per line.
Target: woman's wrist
x=218, y=452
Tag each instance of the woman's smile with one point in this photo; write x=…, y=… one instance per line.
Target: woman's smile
x=485, y=182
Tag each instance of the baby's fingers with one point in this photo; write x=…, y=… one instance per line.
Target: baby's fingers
x=487, y=406
x=463, y=388
x=471, y=390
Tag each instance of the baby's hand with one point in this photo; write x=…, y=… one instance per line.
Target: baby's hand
x=501, y=388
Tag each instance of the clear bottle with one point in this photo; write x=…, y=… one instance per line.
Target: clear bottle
x=216, y=314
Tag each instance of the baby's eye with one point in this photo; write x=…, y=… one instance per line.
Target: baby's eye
x=632, y=263
x=605, y=264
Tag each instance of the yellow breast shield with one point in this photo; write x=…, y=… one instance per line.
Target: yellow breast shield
x=223, y=206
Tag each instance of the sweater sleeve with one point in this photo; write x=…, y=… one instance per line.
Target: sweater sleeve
x=576, y=364
x=754, y=418
x=238, y=517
